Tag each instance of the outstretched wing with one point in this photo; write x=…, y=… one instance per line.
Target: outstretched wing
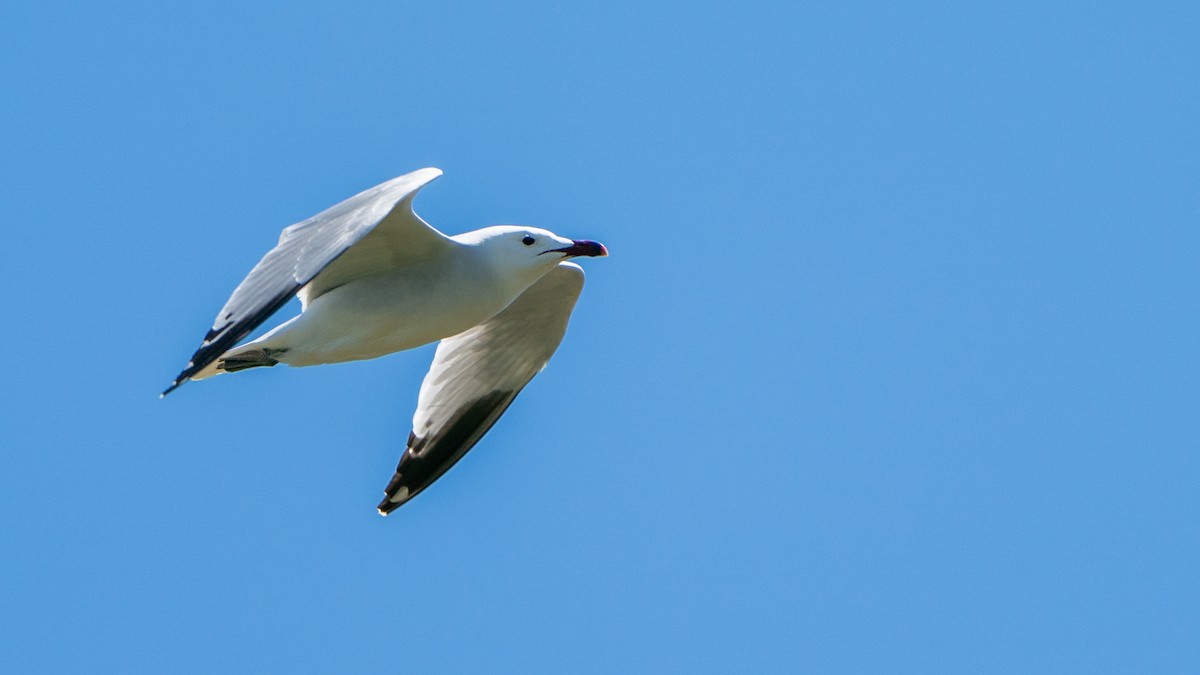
x=476, y=375
x=310, y=253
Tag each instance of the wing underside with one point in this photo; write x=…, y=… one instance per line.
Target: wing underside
x=476, y=375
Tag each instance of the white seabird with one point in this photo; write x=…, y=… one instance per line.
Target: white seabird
x=373, y=278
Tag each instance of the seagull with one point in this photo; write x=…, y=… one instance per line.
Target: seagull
x=373, y=278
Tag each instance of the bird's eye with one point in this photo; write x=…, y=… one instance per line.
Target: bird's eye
x=528, y=240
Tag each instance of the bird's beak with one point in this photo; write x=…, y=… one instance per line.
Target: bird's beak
x=582, y=247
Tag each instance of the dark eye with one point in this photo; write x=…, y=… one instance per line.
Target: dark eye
x=528, y=240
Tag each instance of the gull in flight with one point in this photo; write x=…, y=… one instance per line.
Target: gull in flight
x=373, y=278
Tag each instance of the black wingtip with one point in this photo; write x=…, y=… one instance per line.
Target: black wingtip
x=396, y=493
x=173, y=387
x=426, y=459
x=387, y=505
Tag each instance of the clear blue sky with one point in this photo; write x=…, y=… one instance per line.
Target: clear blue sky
x=892, y=368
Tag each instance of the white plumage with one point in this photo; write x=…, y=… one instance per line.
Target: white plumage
x=373, y=278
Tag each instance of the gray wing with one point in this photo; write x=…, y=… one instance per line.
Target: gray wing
x=379, y=221
x=476, y=375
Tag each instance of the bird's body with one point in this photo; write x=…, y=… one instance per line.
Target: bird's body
x=374, y=279
x=392, y=310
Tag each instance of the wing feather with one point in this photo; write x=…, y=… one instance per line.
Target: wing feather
x=321, y=253
x=476, y=375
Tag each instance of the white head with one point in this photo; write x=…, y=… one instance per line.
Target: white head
x=528, y=252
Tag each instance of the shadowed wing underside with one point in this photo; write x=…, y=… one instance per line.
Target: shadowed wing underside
x=317, y=253
x=476, y=375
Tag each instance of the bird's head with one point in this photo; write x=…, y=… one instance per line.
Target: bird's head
x=530, y=250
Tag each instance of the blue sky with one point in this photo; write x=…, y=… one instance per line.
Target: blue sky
x=892, y=367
